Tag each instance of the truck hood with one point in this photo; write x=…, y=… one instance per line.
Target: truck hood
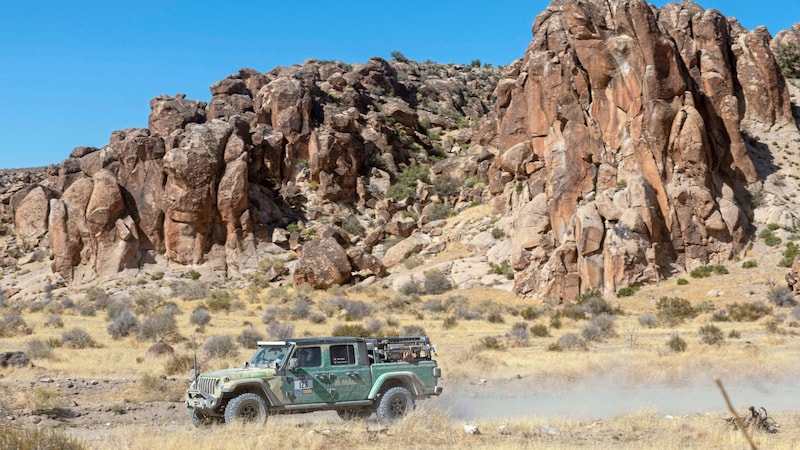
x=241, y=373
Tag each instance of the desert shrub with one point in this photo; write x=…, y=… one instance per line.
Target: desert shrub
x=189, y=290
x=219, y=300
x=648, y=320
x=734, y=334
x=498, y=233
x=412, y=262
x=674, y=310
x=12, y=437
x=494, y=316
x=464, y=312
x=711, y=334
x=147, y=302
x=571, y=341
x=555, y=322
x=433, y=305
x=592, y=302
x=781, y=295
x=503, y=268
x=351, y=329
x=720, y=315
x=449, y=322
x=410, y=288
x=37, y=348
x=352, y=309
x=707, y=271
x=280, y=330
x=789, y=254
x=572, y=311
x=271, y=314
x=436, y=282
x=220, y=346
x=748, y=312
x=530, y=313
x=193, y=275
x=749, y=264
x=300, y=309
x=54, y=308
x=682, y=281
x=439, y=211
x=676, y=344
x=519, y=334
x=178, y=364
x=54, y=321
x=374, y=325
x=539, y=330
x=604, y=324
x=200, y=317
x=77, y=338
x=413, y=330
x=87, y=310
x=445, y=186
x=249, y=337
x=316, y=317
x=160, y=325
x=627, y=291
x=123, y=324
x=796, y=312
x=774, y=326
x=489, y=343
x=770, y=239
x=406, y=185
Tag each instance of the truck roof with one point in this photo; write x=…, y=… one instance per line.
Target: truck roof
x=316, y=340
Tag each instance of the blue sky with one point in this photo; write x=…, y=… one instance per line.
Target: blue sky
x=73, y=72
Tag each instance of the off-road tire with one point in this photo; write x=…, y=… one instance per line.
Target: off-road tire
x=395, y=404
x=199, y=419
x=354, y=414
x=247, y=407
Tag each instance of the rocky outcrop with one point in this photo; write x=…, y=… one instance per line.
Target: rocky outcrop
x=621, y=154
x=324, y=264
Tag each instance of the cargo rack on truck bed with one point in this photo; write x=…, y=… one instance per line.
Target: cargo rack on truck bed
x=401, y=348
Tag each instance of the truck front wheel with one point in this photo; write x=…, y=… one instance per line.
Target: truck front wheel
x=247, y=407
x=395, y=404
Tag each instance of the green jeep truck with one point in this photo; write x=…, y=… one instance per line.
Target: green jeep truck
x=353, y=376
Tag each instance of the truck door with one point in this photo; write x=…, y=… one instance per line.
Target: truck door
x=349, y=374
x=305, y=382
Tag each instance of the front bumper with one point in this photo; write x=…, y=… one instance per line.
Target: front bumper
x=202, y=402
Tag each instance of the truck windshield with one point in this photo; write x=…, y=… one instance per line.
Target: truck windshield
x=270, y=355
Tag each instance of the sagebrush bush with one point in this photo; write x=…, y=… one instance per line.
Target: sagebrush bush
x=674, y=310
x=249, y=337
x=720, y=315
x=676, y=343
x=147, y=302
x=12, y=324
x=489, y=343
x=77, y=338
x=519, y=334
x=352, y=309
x=571, y=341
x=178, y=364
x=410, y=287
x=219, y=300
x=123, y=324
x=300, y=309
x=711, y=334
x=464, y=312
x=530, y=313
x=592, y=302
x=449, y=322
x=200, y=317
x=161, y=325
x=37, y=348
x=351, y=329
x=748, y=312
x=413, y=330
x=317, y=317
x=280, y=330
x=781, y=296
x=54, y=321
x=494, y=316
x=599, y=327
x=374, y=325
x=539, y=330
x=648, y=320
x=436, y=282
x=272, y=314
x=220, y=346
x=433, y=305
x=189, y=290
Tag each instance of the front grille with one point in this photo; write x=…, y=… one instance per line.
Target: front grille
x=207, y=385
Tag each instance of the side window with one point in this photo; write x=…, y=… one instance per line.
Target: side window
x=309, y=357
x=342, y=355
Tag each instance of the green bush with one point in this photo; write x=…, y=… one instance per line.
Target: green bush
x=489, y=343
x=789, y=254
x=748, y=312
x=351, y=329
x=627, y=291
x=707, y=271
x=440, y=211
x=749, y=264
x=769, y=237
x=676, y=343
x=498, y=233
x=674, y=310
x=445, y=186
x=530, y=313
x=504, y=268
x=219, y=300
x=711, y=334
x=194, y=275
x=540, y=330
x=406, y=185
x=788, y=59
x=682, y=281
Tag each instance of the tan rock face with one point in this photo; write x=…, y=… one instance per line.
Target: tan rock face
x=636, y=162
x=324, y=264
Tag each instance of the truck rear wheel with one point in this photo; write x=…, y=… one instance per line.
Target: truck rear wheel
x=395, y=404
x=247, y=407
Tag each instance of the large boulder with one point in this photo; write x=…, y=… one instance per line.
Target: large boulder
x=324, y=264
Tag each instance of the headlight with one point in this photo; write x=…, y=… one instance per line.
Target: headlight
x=225, y=379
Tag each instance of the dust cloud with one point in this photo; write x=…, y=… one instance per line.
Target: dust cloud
x=501, y=399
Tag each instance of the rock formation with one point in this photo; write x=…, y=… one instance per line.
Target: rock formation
x=621, y=148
